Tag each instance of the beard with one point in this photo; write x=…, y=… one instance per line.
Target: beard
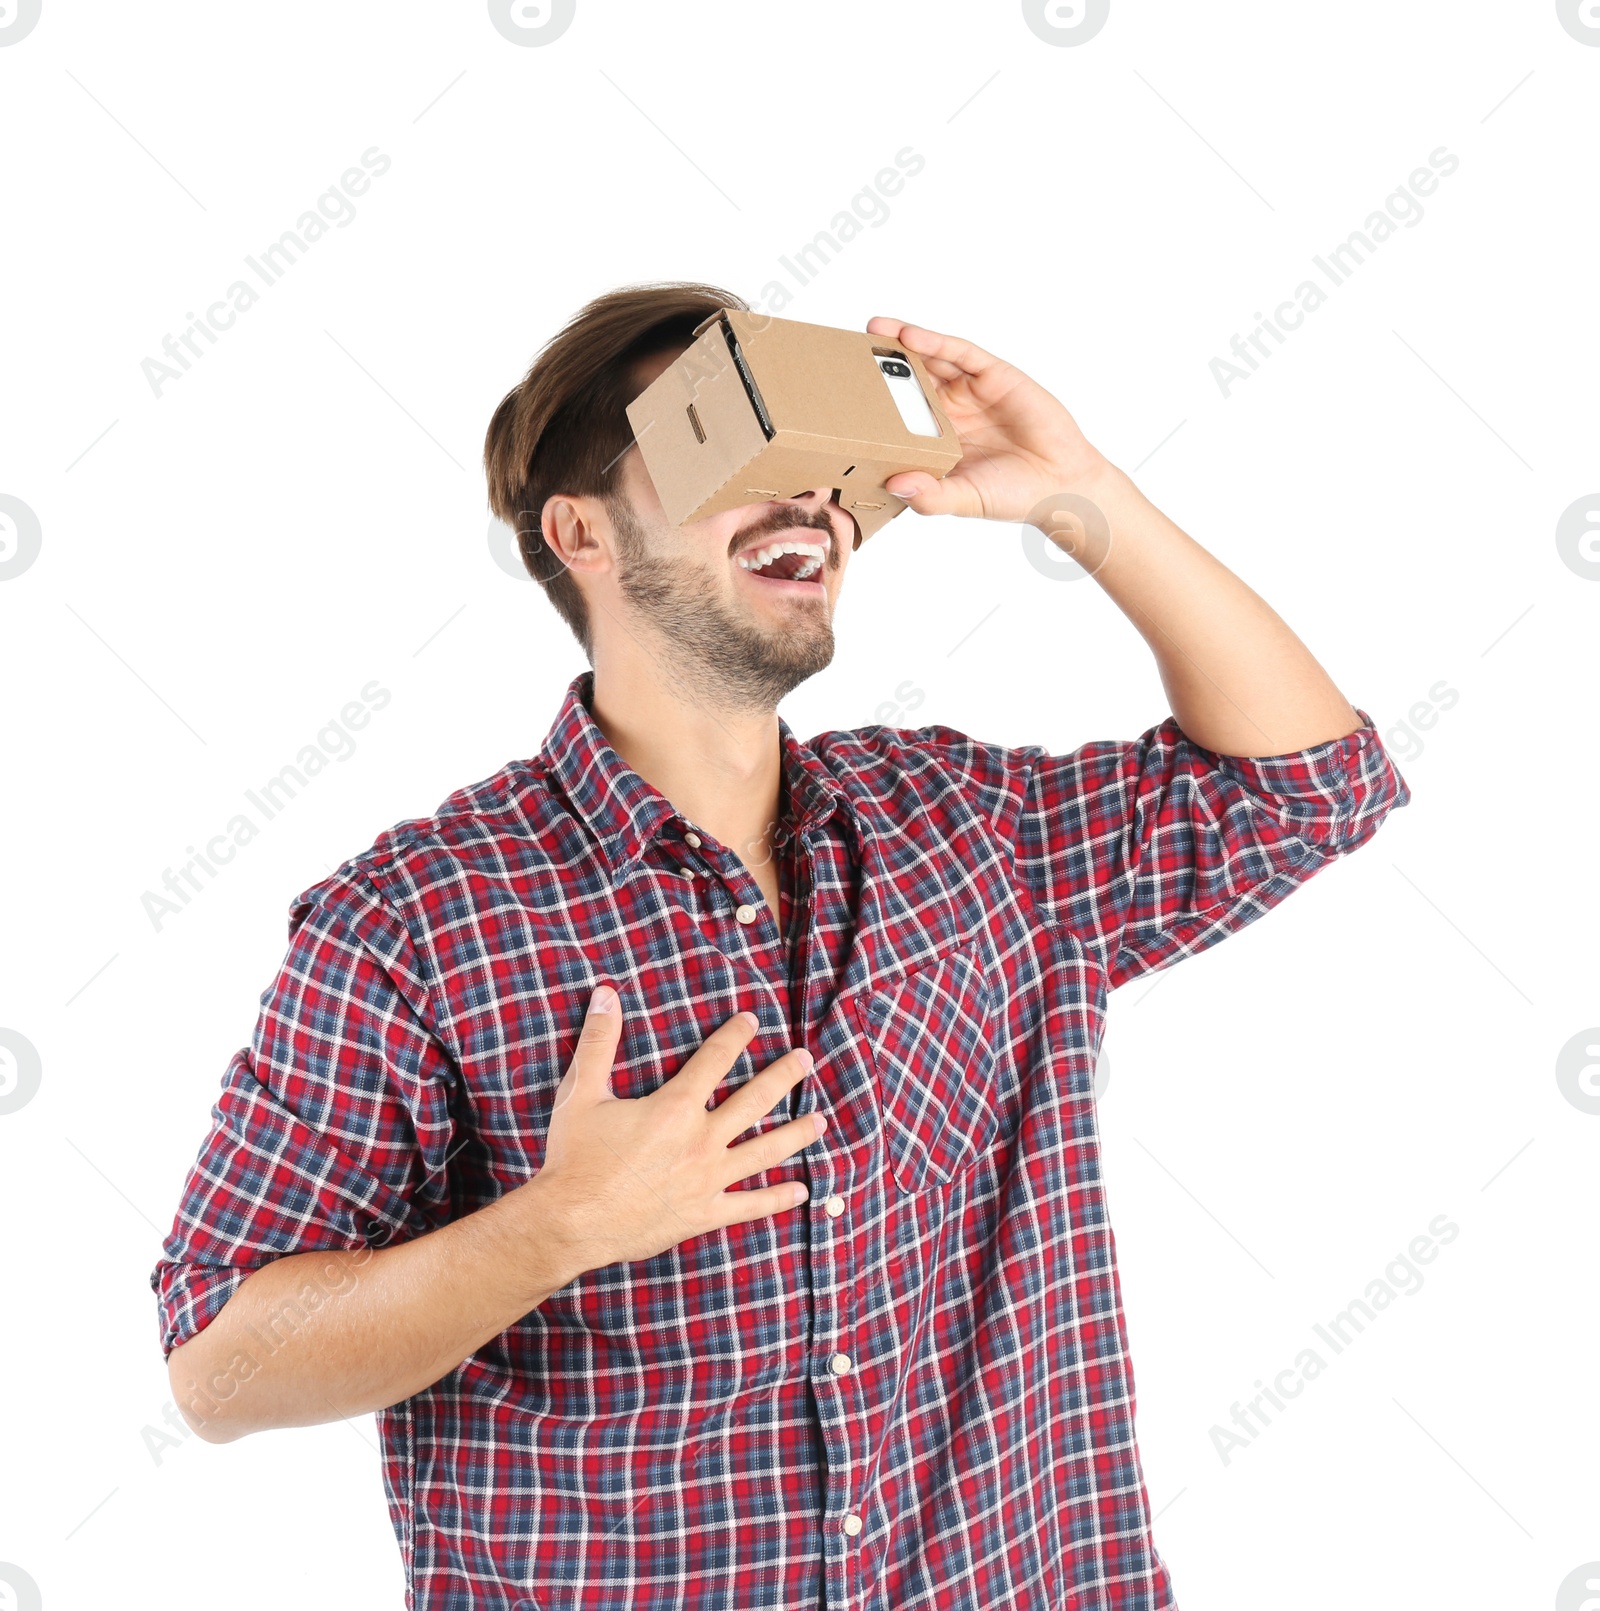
x=711, y=653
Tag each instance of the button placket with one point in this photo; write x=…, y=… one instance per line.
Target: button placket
x=740, y=885
x=745, y=912
x=833, y=1249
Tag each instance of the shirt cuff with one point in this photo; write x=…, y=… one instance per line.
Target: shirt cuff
x=1331, y=795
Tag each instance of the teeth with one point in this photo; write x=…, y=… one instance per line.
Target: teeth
x=764, y=556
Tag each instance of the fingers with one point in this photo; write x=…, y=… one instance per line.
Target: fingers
x=769, y=1149
x=740, y=1207
x=703, y=1073
x=926, y=494
x=759, y=1095
x=588, y=1075
x=760, y=1154
x=945, y=356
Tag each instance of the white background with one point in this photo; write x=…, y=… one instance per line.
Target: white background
x=225, y=565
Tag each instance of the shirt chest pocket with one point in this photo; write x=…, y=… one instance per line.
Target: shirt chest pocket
x=930, y=1036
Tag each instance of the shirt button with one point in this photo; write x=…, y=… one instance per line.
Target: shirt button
x=839, y=1364
x=746, y=914
x=852, y=1525
x=834, y=1206
x=692, y=840
x=688, y=872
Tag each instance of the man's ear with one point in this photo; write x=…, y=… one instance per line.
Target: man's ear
x=576, y=532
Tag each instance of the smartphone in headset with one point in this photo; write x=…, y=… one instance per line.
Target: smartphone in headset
x=906, y=390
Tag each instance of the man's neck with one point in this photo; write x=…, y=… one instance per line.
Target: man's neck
x=720, y=766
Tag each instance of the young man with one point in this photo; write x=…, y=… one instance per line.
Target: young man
x=528, y=1153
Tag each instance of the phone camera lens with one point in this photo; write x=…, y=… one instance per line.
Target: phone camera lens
x=890, y=367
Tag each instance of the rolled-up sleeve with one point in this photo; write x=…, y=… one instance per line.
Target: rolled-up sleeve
x=1155, y=849
x=334, y=1127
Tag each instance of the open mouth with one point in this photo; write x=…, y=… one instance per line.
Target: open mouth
x=791, y=560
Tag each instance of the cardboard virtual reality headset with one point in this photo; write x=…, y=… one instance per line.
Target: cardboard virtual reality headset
x=759, y=408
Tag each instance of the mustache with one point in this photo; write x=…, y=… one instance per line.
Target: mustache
x=785, y=519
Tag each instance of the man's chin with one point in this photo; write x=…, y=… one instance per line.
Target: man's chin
x=795, y=659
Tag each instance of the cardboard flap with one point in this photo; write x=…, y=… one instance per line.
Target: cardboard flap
x=710, y=318
x=695, y=426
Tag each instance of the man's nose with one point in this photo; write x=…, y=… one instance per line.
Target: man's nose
x=818, y=498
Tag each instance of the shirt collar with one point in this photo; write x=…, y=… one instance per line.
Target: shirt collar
x=626, y=814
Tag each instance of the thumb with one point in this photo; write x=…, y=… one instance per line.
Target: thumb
x=589, y=1073
x=926, y=494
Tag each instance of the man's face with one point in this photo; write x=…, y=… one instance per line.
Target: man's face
x=744, y=634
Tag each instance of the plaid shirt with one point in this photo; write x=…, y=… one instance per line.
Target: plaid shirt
x=912, y=1392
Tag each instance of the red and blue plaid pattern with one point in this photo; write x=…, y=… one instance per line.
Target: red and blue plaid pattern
x=912, y=1392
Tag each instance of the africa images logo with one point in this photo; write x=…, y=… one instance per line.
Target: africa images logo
x=20, y=535
x=532, y=22
x=18, y=19
x=1066, y=22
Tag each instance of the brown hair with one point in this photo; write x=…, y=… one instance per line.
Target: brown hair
x=562, y=428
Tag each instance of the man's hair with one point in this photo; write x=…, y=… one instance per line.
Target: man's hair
x=563, y=427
